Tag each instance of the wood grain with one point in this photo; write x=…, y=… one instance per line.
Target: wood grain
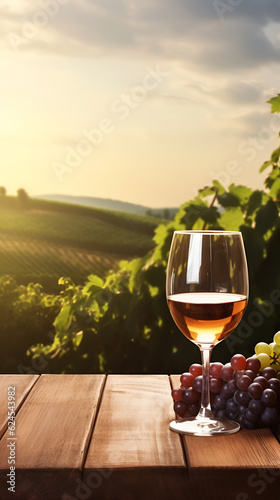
x=53, y=430
x=233, y=462
x=132, y=442
x=246, y=449
x=23, y=385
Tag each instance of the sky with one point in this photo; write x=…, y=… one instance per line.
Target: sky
x=141, y=101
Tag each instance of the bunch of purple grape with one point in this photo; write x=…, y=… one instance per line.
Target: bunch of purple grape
x=239, y=391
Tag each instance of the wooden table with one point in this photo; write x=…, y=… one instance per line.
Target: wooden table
x=96, y=437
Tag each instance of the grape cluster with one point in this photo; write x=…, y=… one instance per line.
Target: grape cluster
x=269, y=354
x=241, y=390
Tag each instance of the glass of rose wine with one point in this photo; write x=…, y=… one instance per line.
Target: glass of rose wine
x=207, y=293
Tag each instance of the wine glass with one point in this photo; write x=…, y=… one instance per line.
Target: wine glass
x=207, y=292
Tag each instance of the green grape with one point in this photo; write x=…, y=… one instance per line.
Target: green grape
x=276, y=366
x=276, y=348
x=271, y=345
x=262, y=348
x=264, y=359
x=276, y=338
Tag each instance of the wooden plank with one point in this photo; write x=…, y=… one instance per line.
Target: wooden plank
x=132, y=450
x=233, y=462
x=23, y=385
x=53, y=430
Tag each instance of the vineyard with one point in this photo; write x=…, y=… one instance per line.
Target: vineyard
x=33, y=262
x=120, y=323
x=47, y=240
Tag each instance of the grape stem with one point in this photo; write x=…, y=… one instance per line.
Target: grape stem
x=205, y=408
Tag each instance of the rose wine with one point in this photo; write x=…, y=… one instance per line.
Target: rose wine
x=207, y=318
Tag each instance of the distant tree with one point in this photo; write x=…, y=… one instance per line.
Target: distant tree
x=3, y=191
x=149, y=212
x=23, y=197
x=166, y=213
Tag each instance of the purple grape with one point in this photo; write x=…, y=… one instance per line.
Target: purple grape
x=194, y=409
x=216, y=385
x=253, y=364
x=269, y=416
x=234, y=398
x=242, y=397
x=256, y=406
x=222, y=414
x=274, y=383
x=225, y=392
x=269, y=373
x=238, y=362
x=243, y=382
x=226, y=372
x=231, y=405
x=231, y=415
x=269, y=397
x=261, y=380
x=242, y=408
x=237, y=374
x=231, y=385
x=252, y=417
x=190, y=396
x=180, y=408
x=197, y=383
x=249, y=425
x=219, y=402
x=255, y=390
x=239, y=418
x=215, y=369
x=250, y=374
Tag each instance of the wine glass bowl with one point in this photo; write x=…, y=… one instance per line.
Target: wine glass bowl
x=207, y=293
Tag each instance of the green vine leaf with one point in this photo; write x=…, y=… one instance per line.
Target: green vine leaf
x=275, y=104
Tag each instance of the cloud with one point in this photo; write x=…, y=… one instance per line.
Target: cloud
x=176, y=98
x=231, y=93
x=190, y=32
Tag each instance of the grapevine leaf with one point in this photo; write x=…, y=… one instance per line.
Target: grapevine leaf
x=135, y=267
x=206, y=191
x=266, y=217
x=93, y=285
x=63, y=320
x=163, y=237
x=228, y=200
x=254, y=248
x=275, y=104
x=78, y=338
x=232, y=218
x=265, y=165
x=275, y=156
x=243, y=193
x=220, y=189
x=275, y=189
x=190, y=213
x=210, y=215
x=255, y=201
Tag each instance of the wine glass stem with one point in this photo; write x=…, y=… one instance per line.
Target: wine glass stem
x=205, y=408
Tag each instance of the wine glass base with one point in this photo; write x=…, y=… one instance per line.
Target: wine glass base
x=194, y=426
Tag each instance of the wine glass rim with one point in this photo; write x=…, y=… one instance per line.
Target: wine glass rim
x=205, y=231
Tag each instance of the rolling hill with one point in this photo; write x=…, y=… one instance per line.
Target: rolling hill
x=42, y=240
x=110, y=204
